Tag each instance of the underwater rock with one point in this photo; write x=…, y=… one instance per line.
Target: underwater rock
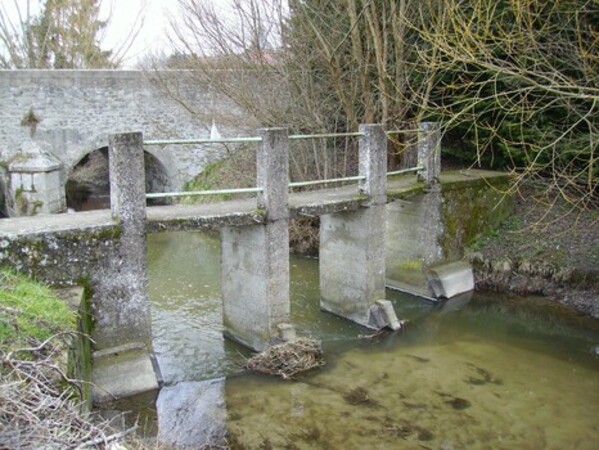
x=455, y=402
x=483, y=377
x=192, y=414
x=458, y=403
x=420, y=359
x=359, y=396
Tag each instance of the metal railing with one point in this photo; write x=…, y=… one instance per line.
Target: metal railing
x=404, y=171
x=232, y=140
x=248, y=139
x=208, y=192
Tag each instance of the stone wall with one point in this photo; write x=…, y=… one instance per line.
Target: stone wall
x=60, y=258
x=80, y=108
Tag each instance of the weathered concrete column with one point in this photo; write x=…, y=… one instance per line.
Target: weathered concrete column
x=120, y=306
x=255, y=259
x=429, y=152
x=352, y=244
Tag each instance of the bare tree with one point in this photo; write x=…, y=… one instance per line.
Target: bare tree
x=307, y=65
x=516, y=84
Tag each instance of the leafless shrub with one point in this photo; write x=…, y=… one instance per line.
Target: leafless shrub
x=39, y=407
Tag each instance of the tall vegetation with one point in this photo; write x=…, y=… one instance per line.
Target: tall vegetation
x=516, y=85
x=513, y=82
x=63, y=34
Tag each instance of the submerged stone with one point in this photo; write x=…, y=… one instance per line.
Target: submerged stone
x=192, y=414
x=459, y=403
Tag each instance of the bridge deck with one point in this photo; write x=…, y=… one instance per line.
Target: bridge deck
x=233, y=212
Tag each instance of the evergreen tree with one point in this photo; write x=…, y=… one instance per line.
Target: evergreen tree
x=65, y=35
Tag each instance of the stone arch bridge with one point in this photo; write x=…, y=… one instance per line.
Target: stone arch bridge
x=78, y=109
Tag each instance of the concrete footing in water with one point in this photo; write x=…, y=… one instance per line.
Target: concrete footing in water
x=255, y=259
x=122, y=365
x=383, y=315
x=449, y=280
x=121, y=372
x=192, y=414
x=352, y=245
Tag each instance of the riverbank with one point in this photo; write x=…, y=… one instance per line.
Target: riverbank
x=548, y=247
x=41, y=405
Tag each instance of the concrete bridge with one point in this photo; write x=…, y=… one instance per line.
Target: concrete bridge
x=71, y=113
x=109, y=247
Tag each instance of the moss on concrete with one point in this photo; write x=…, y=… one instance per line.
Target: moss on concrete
x=471, y=208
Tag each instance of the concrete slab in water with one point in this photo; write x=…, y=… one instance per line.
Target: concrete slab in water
x=122, y=372
x=449, y=280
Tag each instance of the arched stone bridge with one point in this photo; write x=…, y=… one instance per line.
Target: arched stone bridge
x=78, y=109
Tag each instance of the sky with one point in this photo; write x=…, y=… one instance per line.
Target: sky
x=125, y=14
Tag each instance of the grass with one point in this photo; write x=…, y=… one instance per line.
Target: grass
x=236, y=171
x=30, y=311
x=510, y=226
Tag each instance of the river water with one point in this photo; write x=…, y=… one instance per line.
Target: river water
x=492, y=372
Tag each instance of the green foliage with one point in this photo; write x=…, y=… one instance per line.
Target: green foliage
x=511, y=224
x=64, y=35
x=29, y=311
x=31, y=120
x=516, y=84
x=236, y=171
x=207, y=180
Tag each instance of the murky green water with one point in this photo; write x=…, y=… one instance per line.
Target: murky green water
x=490, y=373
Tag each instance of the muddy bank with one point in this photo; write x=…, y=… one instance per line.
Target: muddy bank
x=548, y=247
x=572, y=287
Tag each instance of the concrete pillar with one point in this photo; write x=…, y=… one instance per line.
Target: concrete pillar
x=352, y=244
x=414, y=232
x=35, y=185
x=429, y=152
x=122, y=363
x=415, y=225
x=255, y=259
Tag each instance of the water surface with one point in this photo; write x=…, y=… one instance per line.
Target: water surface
x=494, y=372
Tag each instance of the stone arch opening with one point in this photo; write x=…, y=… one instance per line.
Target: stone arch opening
x=88, y=182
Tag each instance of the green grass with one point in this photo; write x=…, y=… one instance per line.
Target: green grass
x=236, y=171
x=511, y=224
x=29, y=311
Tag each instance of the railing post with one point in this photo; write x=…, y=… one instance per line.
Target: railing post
x=272, y=170
x=373, y=163
x=429, y=152
x=127, y=178
x=255, y=258
x=121, y=309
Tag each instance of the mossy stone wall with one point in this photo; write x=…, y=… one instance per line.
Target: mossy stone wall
x=60, y=258
x=469, y=209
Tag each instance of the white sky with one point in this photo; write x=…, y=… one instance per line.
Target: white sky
x=126, y=14
x=152, y=35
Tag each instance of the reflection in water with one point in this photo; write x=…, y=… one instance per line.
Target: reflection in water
x=489, y=373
